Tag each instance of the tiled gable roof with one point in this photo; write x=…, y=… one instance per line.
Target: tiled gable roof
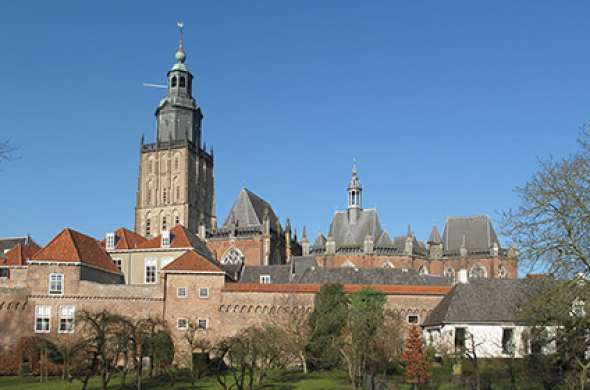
x=180, y=238
x=10, y=242
x=126, y=239
x=72, y=246
x=19, y=254
x=194, y=262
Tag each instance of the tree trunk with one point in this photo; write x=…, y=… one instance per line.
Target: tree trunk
x=303, y=362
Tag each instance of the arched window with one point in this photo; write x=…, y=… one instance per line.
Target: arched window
x=176, y=220
x=232, y=256
x=477, y=272
x=148, y=227
x=423, y=270
x=502, y=273
x=173, y=84
x=182, y=83
x=388, y=265
x=450, y=274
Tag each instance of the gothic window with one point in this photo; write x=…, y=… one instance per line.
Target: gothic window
x=148, y=227
x=176, y=162
x=176, y=220
x=232, y=256
x=164, y=224
x=173, y=85
x=477, y=272
x=165, y=196
x=423, y=270
x=177, y=193
x=502, y=273
x=182, y=83
x=450, y=274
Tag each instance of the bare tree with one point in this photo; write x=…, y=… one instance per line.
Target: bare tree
x=551, y=227
x=197, y=343
x=6, y=151
x=293, y=320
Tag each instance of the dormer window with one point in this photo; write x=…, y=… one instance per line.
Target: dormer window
x=173, y=83
x=110, y=241
x=165, y=241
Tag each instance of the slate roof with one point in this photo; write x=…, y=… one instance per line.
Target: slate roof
x=434, y=236
x=194, y=262
x=72, y=246
x=483, y=301
x=248, y=211
x=180, y=238
x=353, y=234
x=18, y=255
x=278, y=273
x=307, y=272
x=478, y=231
x=10, y=242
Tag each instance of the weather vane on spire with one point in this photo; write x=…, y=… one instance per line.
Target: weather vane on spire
x=180, y=55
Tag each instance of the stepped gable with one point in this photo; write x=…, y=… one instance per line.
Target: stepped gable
x=126, y=239
x=19, y=255
x=478, y=232
x=248, y=211
x=484, y=301
x=72, y=246
x=193, y=262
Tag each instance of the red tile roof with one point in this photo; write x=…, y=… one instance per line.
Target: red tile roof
x=179, y=238
x=19, y=254
x=192, y=261
x=72, y=246
x=126, y=239
x=348, y=288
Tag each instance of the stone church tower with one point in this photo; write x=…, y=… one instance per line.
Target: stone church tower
x=176, y=182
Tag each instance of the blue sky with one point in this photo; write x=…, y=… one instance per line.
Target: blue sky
x=445, y=105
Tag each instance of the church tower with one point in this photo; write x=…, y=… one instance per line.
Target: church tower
x=175, y=173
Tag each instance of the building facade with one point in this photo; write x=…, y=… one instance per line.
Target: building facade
x=175, y=184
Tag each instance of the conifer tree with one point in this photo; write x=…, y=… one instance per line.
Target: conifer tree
x=417, y=367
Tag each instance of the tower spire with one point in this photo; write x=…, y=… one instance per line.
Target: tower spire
x=180, y=54
x=354, y=195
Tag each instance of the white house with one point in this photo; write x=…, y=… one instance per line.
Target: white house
x=484, y=312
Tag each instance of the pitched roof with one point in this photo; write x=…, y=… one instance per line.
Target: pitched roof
x=194, y=262
x=354, y=234
x=434, y=236
x=72, y=246
x=483, y=301
x=10, y=242
x=307, y=272
x=180, y=237
x=478, y=231
x=19, y=254
x=126, y=239
x=248, y=211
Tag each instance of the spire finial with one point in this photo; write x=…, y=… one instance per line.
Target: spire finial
x=180, y=54
x=354, y=166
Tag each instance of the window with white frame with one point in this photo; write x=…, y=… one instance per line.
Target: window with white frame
x=66, y=319
x=182, y=324
x=150, y=270
x=56, y=284
x=204, y=292
x=165, y=240
x=118, y=263
x=265, y=279
x=110, y=241
x=450, y=274
x=202, y=323
x=42, y=319
x=477, y=272
x=413, y=319
x=508, y=341
x=181, y=292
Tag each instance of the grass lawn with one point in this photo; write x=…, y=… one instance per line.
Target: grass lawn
x=276, y=381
